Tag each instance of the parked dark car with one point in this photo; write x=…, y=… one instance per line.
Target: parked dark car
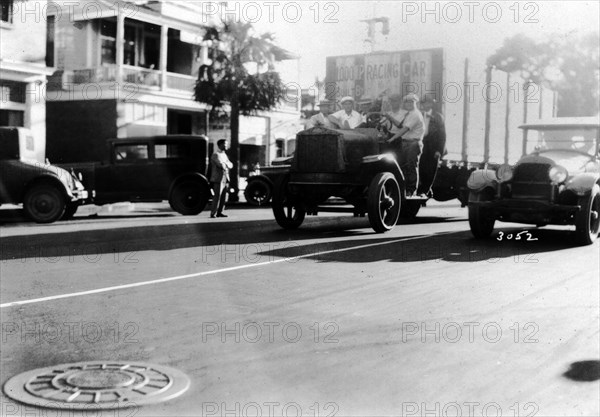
x=353, y=165
x=259, y=186
x=556, y=182
x=47, y=192
x=151, y=169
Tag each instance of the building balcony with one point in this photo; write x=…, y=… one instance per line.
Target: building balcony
x=143, y=78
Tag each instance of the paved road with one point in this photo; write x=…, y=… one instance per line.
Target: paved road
x=330, y=319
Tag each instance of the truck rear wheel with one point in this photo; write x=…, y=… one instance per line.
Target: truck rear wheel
x=44, y=203
x=287, y=213
x=189, y=197
x=480, y=220
x=383, y=202
x=587, y=220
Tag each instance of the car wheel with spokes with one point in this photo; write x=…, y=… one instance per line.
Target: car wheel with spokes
x=587, y=220
x=383, y=202
x=288, y=213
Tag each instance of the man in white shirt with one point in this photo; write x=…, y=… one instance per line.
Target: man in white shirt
x=407, y=140
x=219, y=178
x=347, y=118
x=325, y=109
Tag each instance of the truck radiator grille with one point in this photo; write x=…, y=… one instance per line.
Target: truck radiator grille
x=319, y=153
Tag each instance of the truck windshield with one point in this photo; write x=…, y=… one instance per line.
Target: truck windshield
x=577, y=139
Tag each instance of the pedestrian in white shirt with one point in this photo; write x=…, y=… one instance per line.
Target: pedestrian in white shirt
x=219, y=177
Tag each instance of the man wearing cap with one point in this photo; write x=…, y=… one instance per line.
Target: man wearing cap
x=434, y=144
x=320, y=119
x=407, y=139
x=347, y=118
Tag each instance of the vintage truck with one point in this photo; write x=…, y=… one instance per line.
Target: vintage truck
x=47, y=192
x=151, y=169
x=353, y=165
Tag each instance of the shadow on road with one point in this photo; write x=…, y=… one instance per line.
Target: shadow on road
x=453, y=247
x=448, y=247
x=172, y=236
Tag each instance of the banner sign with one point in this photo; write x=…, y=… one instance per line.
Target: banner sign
x=371, y=76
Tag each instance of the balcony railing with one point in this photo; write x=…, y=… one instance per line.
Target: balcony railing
x=180, y=82
x=142, y=77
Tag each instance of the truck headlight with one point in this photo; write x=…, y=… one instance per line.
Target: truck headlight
x=558, y=174
x=504, y=173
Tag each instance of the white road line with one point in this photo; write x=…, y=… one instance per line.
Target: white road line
x=200, y=274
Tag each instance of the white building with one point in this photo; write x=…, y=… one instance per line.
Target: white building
x=23, y=69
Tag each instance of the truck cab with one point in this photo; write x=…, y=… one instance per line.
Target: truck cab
x=47, y=192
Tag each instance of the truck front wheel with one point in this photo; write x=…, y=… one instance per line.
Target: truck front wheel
x=44, y=203
x=288, y=214
x=383, y=202
x=189, y=197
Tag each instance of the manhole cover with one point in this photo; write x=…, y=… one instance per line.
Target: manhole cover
x=89, y=385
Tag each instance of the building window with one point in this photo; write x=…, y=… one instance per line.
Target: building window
x=50, y=41
x=7, y=11
x=108, y=38
x=12, y=91
x=12, y=118
x=129, y=50
x=279, y=148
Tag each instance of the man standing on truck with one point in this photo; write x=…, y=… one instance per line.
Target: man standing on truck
x=434, y=144
x=407, y=140
x=219, y=178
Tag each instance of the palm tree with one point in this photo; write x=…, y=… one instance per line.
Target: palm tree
x=226, y=80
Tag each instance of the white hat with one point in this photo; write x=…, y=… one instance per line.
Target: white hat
x=410, y=97
x=347, y=98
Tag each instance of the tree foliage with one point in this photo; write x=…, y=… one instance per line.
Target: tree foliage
x=570, y=65
x=227, y=78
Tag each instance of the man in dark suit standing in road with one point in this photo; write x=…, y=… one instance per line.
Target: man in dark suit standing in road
x=219, y=178
x=434, y=144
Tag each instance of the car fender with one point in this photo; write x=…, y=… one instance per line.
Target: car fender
x=373, y=164
x=48, y=179
x=481, y=179
x=260, y=177
x=190, y=175
x=582, y=184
